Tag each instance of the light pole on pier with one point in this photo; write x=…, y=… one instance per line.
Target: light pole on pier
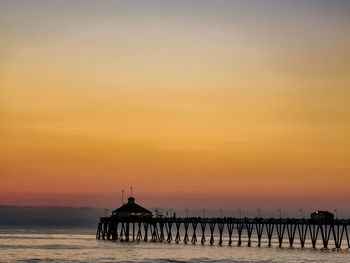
x=170, y=211
x=259, y=212
x=122, y=197
x=105, y=212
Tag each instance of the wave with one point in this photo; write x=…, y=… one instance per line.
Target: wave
x=53, y=246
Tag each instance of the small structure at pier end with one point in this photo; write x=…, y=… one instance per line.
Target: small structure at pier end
x=322, y=216
x=131, y=209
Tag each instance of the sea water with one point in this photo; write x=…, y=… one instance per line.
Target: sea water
x=47, y=244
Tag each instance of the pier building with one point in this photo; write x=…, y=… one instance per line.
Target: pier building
x=131, y=209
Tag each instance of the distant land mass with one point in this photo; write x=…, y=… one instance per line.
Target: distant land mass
x=49, y=216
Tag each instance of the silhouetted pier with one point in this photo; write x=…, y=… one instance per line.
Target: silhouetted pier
x=287, y=232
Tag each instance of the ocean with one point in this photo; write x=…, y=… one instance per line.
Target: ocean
x=72, y=244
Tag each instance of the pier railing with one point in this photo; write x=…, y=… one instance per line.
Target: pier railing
x=196, y=229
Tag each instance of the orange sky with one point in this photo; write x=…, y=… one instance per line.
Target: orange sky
x=190, y=103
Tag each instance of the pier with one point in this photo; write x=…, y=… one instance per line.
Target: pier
x=227, y=231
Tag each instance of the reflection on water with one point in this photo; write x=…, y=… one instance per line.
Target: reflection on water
x=73, y=245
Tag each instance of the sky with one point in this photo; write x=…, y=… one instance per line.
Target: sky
x=192, y=103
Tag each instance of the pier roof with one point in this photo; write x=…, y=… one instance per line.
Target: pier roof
x=131, y=207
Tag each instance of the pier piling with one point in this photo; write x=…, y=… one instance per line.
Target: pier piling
x=302, y=231
x=203, y=226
